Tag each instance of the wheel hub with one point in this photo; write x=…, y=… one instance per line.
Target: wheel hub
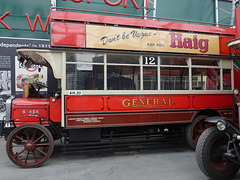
x=29, y=146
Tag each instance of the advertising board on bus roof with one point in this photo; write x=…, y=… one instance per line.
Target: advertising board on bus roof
x=106, y=37
x=122, y=38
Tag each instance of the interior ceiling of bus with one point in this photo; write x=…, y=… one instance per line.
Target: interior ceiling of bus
x=35, y=57
x=43, y=57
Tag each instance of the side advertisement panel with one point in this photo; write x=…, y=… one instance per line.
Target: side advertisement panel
x=107, y=37
x=136, y=39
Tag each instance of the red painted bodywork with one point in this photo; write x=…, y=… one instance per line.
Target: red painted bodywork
x=67, y=34
x=224, y=50
x=125, y=110
x=30, y=110
x=55, y=109
x=119, y=110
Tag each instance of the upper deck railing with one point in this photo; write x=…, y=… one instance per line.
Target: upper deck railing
x=140, y=21
x=143, y=17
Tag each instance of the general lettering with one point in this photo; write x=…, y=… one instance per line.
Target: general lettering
x=147, y=102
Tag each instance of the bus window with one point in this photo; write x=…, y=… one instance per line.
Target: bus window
x=174, y=78
x=205, y=79
x=227, y=79
x=174, y=61
x=123, y=72
x=99, y=71
x=150, y=78
x=85, y=57
x=207, y=62
x=122, y=59
x=84, y=71
x=123, y=78
x=174, y=73
x=84, y=77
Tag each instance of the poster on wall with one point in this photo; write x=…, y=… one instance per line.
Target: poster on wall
x=13, y=74
x=5, y=82
x=35, y=74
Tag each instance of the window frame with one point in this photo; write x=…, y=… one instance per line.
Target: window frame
x=141, y=65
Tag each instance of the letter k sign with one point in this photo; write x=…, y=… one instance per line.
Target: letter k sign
x=1, y=20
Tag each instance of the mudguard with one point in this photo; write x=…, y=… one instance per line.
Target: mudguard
x=229, y=122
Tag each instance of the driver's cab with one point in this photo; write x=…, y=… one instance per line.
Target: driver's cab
x=31, y=90
x=52, y=59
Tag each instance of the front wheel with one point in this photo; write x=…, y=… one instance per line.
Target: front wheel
x=210, y=150
x=29, y=145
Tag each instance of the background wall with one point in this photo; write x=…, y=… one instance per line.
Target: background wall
x=17, y=20
x=194, y=10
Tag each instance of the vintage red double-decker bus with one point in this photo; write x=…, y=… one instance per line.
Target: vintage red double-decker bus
x=121, y=78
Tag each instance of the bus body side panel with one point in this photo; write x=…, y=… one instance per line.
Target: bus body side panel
x=131, y=110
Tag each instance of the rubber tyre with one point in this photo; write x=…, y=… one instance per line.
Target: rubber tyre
x=190, y=130
x=39, y=128
x=209, y=156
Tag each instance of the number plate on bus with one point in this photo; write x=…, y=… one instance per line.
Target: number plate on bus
x=75, y=93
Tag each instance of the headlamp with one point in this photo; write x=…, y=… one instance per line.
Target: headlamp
x=221, y=125
x=236, y=91
x=7, y=124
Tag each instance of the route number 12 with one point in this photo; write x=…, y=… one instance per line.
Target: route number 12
x=150, y=60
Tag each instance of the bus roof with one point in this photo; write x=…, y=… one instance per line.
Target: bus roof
x=50, y=58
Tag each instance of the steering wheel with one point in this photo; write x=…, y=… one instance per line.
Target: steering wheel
x=39, y=86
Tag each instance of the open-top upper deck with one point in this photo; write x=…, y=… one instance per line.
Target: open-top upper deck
x=79, y=29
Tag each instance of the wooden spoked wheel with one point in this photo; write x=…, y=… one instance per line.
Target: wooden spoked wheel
x=195, y=130
x=30, y=145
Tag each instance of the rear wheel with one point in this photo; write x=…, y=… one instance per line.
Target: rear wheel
x=195, y=130
x=29, y=145
x=210, y=158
